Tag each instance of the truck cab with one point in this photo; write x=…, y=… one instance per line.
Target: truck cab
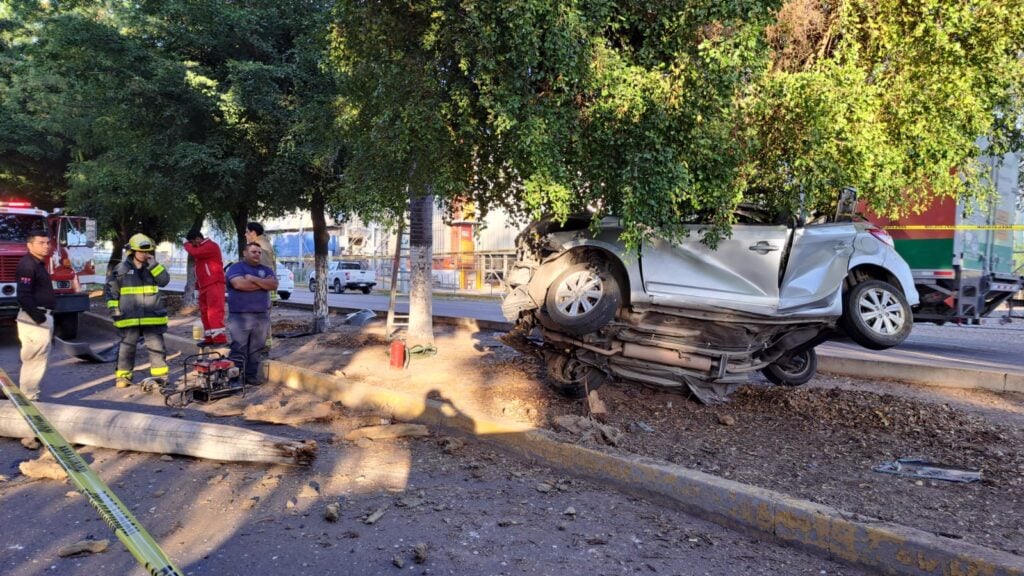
x=346, y=275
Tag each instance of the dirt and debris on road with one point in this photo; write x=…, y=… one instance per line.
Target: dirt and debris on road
x=820, y=442
x=437, y=504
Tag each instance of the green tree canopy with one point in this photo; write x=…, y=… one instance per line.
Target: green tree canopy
x=668, y=111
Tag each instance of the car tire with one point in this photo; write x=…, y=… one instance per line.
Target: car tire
x=364, y=290
x=65, y=325
x=796, y=370
x=570, y=377
x=876, y=315
x=312, y=285
x=583, y=298
x=284, y=295
x=337, y=287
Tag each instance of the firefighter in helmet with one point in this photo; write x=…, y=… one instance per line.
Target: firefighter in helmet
x=137, y=308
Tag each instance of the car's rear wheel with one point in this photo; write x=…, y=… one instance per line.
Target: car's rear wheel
x=365, y=290
x=796, y=370
x=312, y=285
x=337, y=287
x=284, y=295
x=876, y=315
x=583, y=298
x=571, y=377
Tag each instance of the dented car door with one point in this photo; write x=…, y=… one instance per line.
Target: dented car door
x=817, y=264
x=741, y=273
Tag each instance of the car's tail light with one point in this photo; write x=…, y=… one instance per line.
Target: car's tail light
x=882, y=236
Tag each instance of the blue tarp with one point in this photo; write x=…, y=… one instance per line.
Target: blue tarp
x=299, y=244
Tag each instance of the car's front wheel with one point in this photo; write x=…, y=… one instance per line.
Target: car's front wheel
x=795, y=370
x=876, y=315
x=284, y=295
x=583, y=298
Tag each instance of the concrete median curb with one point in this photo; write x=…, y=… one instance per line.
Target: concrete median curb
x=931, y=375
x=823, y=530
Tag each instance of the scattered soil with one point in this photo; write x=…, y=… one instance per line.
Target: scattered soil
x=819, y=442
x=432, y=504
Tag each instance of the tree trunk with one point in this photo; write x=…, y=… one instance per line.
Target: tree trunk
x=317, y=208
x=188, y=295
x=421, y=257
x=240, y=218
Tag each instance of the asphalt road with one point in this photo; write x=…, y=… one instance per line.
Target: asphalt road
x=476, y=511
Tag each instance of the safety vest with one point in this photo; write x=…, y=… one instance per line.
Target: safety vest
x=136, y=291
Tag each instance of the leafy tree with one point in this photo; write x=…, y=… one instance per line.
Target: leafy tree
x=124, y=116
x=550, y=107
x=312, y=154
x=887, y=96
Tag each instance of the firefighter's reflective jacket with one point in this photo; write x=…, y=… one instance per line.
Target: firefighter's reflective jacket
x=133, y=294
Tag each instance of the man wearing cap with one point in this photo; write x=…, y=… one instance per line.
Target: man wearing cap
x=137, y=307
x=35, y=321
x=211, y=284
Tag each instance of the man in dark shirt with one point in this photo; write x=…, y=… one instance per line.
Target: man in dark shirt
x=35, y=321
x=249, y=286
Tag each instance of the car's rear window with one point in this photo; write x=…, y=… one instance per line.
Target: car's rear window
x=350, y=266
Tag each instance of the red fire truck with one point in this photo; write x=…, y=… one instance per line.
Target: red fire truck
x=71, y=267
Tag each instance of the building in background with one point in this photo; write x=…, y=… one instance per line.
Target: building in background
x=470, y=253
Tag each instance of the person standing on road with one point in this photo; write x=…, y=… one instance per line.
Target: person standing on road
x=35, y=320
x=137, y=307
x=211, y=284
x=249, y=287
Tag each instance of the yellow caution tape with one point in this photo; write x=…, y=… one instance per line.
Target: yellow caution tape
x=113, y=512
x=959, y=227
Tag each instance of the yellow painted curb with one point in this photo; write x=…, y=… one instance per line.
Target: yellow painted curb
x=823, y=530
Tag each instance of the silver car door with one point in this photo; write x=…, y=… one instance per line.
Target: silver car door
x=817, y=264
x=741, y=273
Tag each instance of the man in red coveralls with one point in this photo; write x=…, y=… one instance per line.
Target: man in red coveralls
x=210, y=281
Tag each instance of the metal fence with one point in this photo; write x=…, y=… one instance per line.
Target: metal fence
x=475, y=273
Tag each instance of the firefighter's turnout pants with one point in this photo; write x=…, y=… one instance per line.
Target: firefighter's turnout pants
x=154, y=339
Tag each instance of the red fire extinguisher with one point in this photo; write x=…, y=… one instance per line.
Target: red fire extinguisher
x=397, y=353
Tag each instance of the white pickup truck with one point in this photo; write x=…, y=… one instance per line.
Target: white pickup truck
x=346, y=275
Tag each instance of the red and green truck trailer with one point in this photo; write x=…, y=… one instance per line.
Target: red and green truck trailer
x=967, y=260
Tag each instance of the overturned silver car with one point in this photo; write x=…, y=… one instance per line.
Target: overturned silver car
x=686, y=315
